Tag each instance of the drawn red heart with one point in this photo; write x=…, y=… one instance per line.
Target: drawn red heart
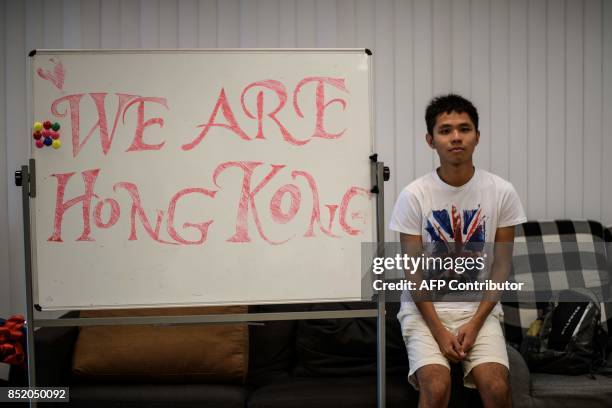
x=57, y=76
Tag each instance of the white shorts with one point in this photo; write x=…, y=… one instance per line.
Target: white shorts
x=489, y=347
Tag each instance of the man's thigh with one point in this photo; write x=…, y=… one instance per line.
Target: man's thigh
x=489, y=347
x=422, y=348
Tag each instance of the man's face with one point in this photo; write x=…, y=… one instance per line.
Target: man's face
x=454, y=137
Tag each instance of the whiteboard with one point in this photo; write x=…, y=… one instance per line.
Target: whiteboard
x=201, y=177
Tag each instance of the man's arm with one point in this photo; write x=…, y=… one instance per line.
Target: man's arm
x=412, y=245
x=500, y=270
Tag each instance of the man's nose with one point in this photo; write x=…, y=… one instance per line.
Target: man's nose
x=456, y=135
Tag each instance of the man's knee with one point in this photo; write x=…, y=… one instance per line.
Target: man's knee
x=434, y=383
x=498, y=388
x=492, y=382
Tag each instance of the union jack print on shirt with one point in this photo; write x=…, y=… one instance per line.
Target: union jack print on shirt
x=459, y=226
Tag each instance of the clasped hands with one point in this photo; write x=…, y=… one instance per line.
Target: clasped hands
x=455, y=346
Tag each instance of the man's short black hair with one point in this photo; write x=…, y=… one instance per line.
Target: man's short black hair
x=447, y=104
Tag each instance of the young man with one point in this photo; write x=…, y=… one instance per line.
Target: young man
x=456, y=203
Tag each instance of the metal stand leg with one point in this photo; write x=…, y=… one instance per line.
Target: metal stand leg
x=23, y=179
x=381, y=371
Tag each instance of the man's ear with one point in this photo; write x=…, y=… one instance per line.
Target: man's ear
x=430, y=141
x=477, y=136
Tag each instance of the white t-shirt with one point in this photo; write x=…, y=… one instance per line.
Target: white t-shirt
x=428, y=206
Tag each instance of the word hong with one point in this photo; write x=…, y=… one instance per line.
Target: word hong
x=246, y=207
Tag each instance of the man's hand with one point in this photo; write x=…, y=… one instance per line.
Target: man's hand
x=466, y=335
x=449, y=345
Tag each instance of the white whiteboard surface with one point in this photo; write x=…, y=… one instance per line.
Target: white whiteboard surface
x=190, y=226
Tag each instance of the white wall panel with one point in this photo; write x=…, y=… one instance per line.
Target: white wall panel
x=606, y=185
x=248, y=23
x=90, y=23
x=422, y=41
x=574, y=102
x=268, y=20
x=207, y=23
x=149, y=23
x=535, y=202
x=72, y=23
x=385, y=95
x=461, y=47
x=305, y=23
x=500, y=89
x=555, y=118
x=168, y=24
x=518, y=111
x=345, y=23
x=130, y=24
x=5, y=265
x=592, y=129
x=17, y=146
x=188, y=24
x=228, y=24
x=404, y=97
x=287, y=31
x=52, y=24
x=110, y=24
x=365, y=13
x=481, y=77
x=325, y=12
x=442, y=42
x=539, y=72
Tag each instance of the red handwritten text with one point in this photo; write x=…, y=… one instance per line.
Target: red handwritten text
x=247, y=209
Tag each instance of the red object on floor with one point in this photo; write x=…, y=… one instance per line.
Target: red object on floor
x=12, y=337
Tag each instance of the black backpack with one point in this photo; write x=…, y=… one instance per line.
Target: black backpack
x=571, y=339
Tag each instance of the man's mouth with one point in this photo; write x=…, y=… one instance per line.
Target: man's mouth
x=457, y=149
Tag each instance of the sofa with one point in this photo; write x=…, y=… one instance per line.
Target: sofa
x=332, y=362
x=558, y=255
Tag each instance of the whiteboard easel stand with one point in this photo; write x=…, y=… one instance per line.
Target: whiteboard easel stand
x=380, y=174
x=26, y=179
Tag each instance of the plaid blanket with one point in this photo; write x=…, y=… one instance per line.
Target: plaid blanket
x=555, y=255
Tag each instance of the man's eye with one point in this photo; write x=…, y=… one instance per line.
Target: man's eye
x=466, y=129
x=444, y=131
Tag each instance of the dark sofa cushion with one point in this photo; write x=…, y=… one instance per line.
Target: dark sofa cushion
x=272, y=345
x=350, y=392
x=332, y=392
x=347, y=347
